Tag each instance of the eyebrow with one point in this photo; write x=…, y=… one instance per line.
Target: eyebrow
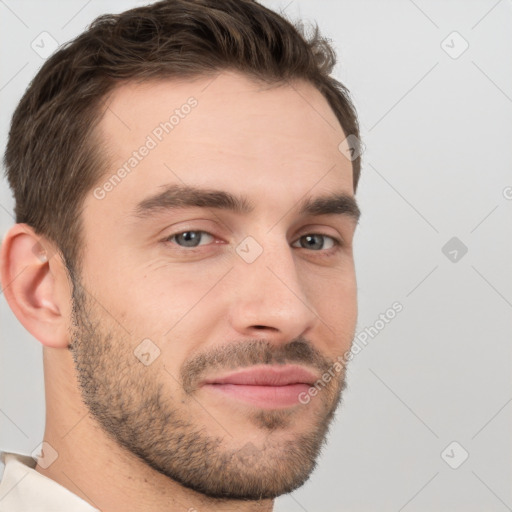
x=181, y=196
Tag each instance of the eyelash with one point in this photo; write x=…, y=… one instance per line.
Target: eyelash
x=337, y=243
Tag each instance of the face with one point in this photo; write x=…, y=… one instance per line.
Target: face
x=216, y=289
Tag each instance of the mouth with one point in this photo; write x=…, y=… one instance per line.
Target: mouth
x=267, y=387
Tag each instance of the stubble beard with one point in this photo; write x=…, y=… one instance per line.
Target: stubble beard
x=134, y=408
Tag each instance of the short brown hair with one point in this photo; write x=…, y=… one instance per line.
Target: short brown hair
x=53, y=158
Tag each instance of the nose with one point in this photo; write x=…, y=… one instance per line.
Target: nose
x=269, y=297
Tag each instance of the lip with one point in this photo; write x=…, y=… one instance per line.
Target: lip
x=267, y=387
x=267, y=376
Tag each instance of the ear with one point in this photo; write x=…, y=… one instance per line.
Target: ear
x=35, y=284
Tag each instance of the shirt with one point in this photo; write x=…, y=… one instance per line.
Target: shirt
x=23, y=489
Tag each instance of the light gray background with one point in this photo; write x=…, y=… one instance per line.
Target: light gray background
x=437, y=165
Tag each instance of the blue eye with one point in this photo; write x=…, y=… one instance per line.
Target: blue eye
x=189, y=238
x=316, y=242
x=195, y=238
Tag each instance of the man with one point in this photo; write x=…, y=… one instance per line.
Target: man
x=184, y=176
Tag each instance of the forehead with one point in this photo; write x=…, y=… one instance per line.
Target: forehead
x=274, y=143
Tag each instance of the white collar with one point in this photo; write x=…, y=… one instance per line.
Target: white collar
x=23, y=488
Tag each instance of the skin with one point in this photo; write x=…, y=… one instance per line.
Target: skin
x=115, y=422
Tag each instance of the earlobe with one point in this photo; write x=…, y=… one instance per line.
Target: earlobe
x=35, y=286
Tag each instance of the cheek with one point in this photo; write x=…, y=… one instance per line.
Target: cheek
x=172, y=308
x=335, y=302
x=157, y=297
